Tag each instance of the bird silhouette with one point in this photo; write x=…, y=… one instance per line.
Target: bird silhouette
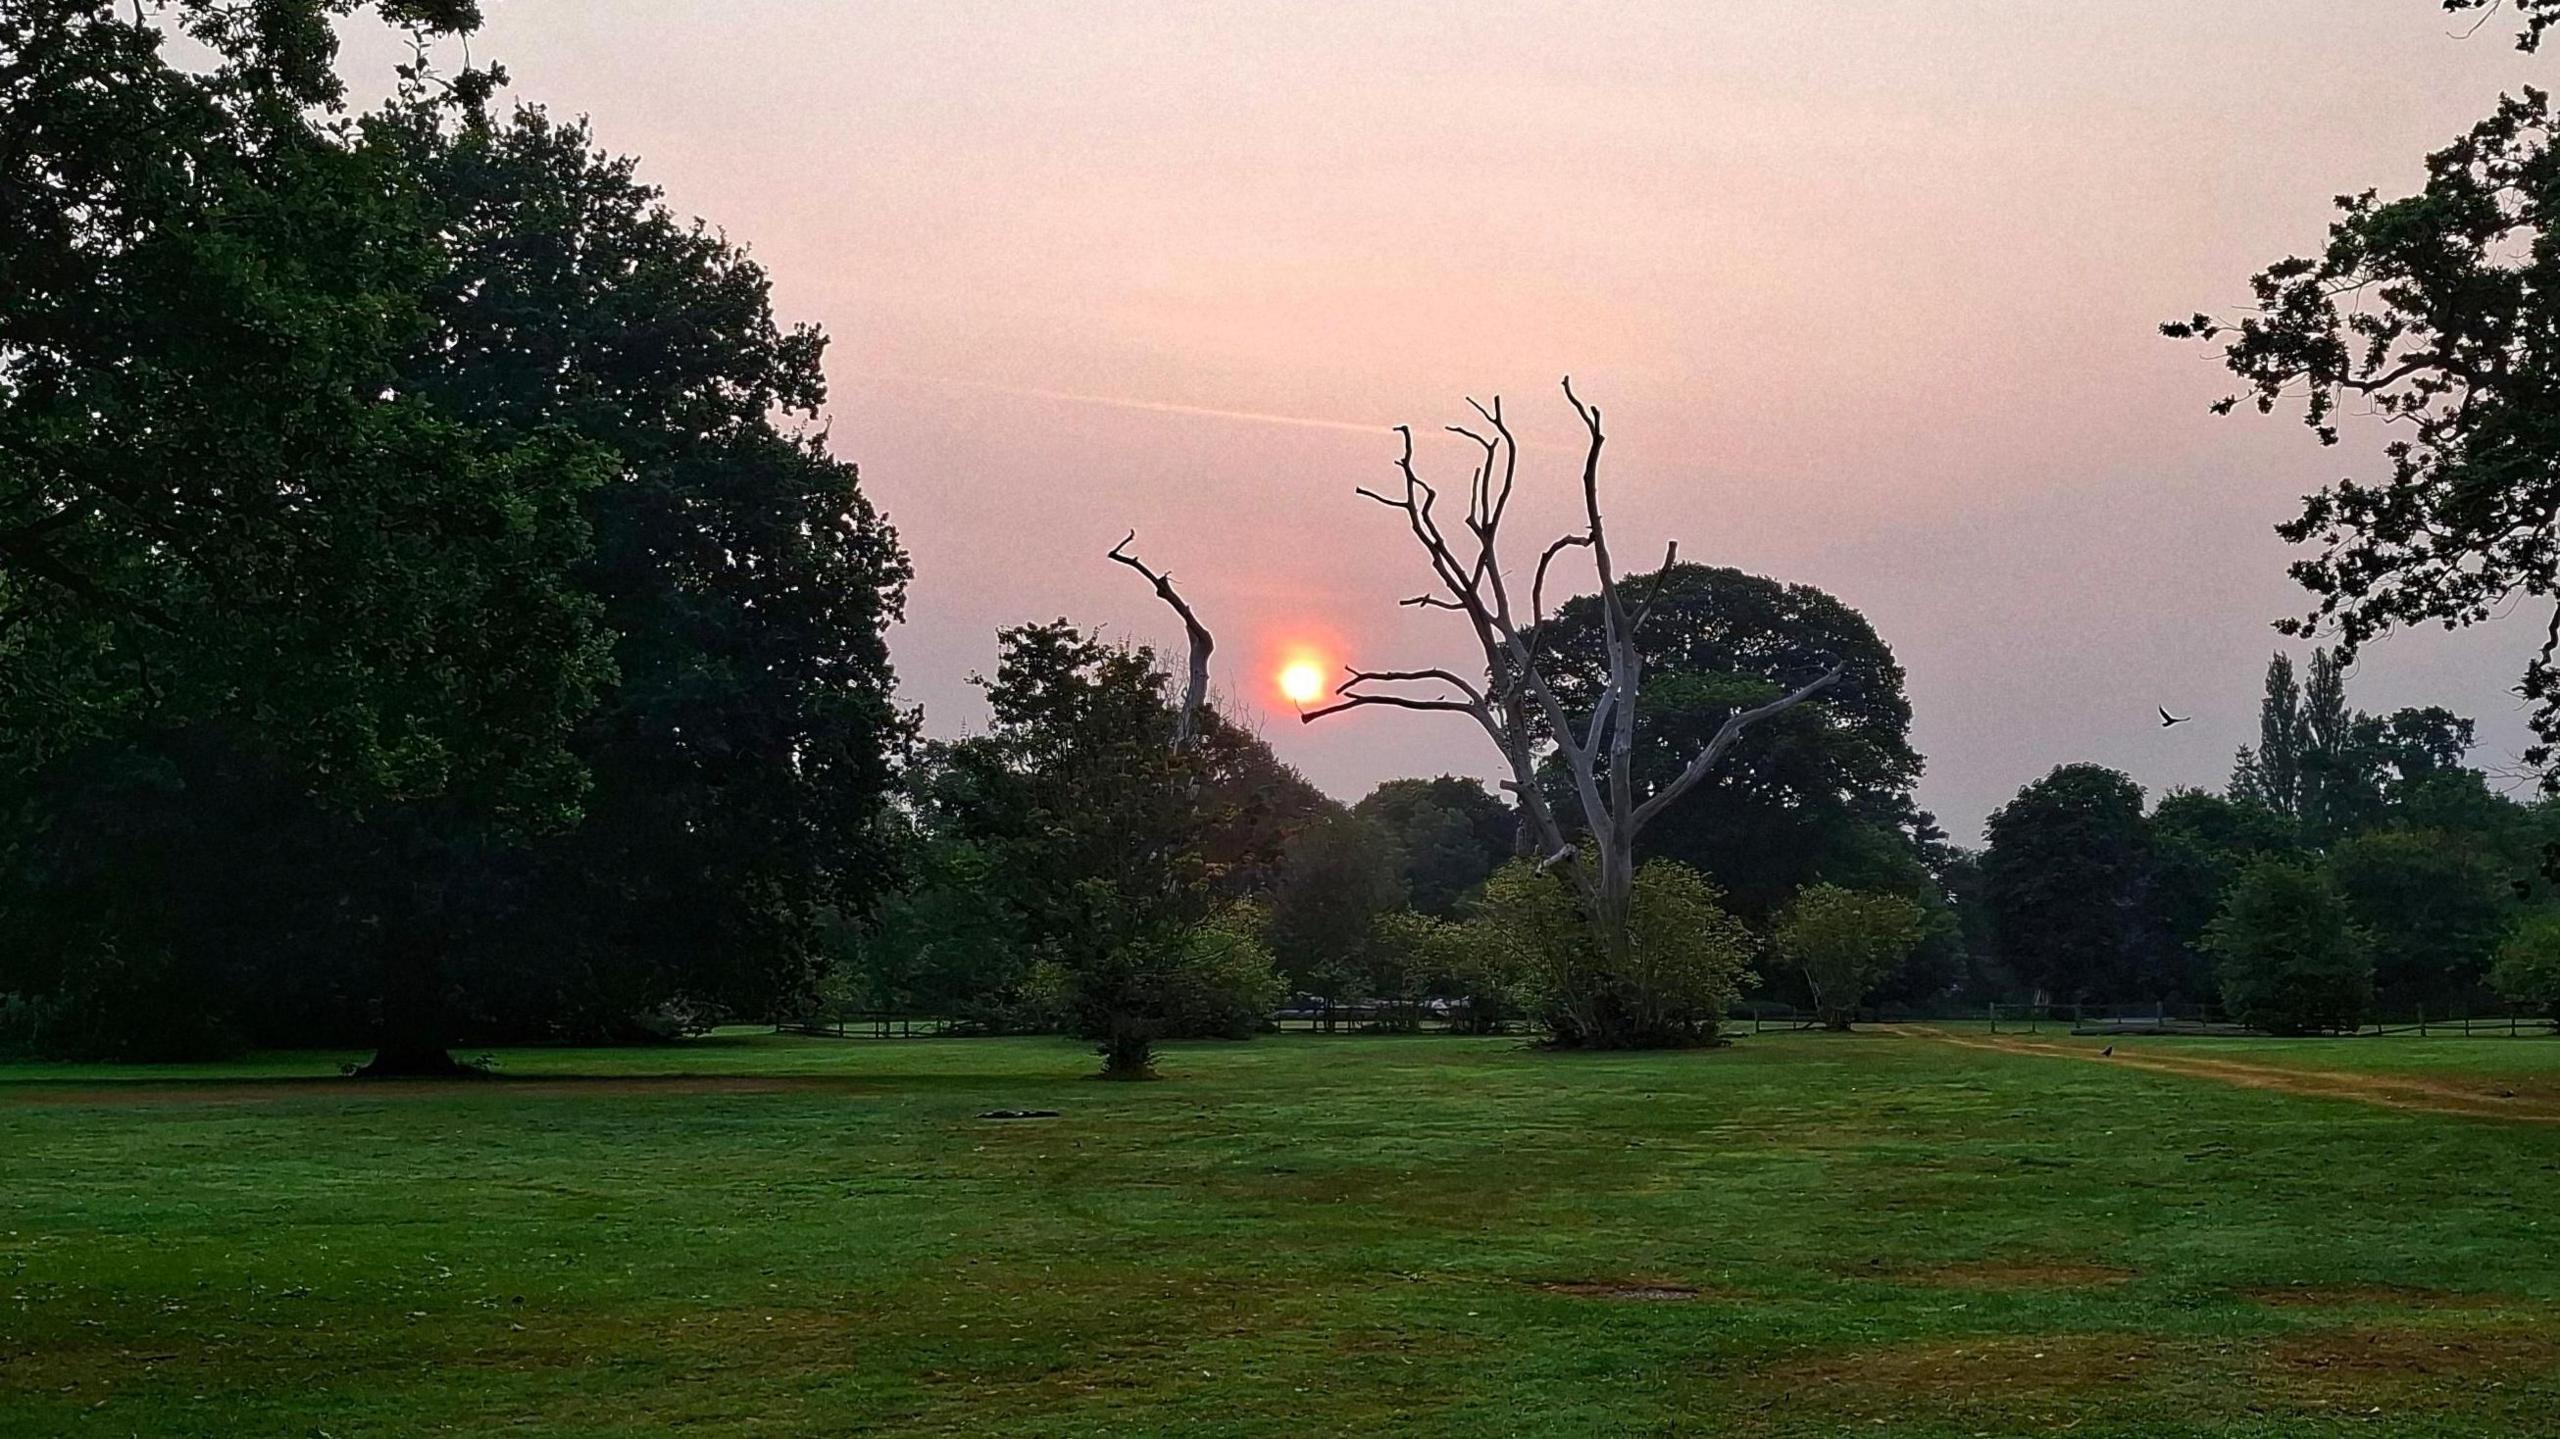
x=2106, y=1052
x=2167, y=719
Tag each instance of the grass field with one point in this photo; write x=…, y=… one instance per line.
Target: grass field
x=1797, y=1235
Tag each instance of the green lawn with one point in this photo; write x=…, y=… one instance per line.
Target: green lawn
x=1799, y=1234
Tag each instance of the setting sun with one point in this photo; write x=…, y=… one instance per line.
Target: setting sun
x=1301, y=681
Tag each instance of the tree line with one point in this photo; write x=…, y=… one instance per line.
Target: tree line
x=2354, y=865
x=430, y=612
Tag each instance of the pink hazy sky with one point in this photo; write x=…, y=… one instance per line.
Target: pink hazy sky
x=1867, y=291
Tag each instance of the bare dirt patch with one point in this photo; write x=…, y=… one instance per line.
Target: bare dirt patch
x=2351, y=1365
x=2388, y=1091
x=2017, y=1274
x=1636, y=1292
x=1991, y=1369
x=2347, y=1296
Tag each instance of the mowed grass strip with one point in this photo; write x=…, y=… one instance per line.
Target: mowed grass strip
x=1798, y=1234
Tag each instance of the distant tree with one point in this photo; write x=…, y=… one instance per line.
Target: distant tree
x=2292, y=959
x=1337, y=875
x=1846, y=942
x=2321, y=764
x=1451, y=832
x=2270, y=775
x=948, y=942
x=1478, y=964
x=2430, y=312
x=2066, y=879
x=2434, y=906
x=2199, y=843
x=1818, y=794
x=2527, y=971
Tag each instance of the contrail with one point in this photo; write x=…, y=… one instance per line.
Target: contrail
x=1163, y=407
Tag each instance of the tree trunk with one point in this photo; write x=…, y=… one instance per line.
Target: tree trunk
x=1127, y=1054
x=414, y=1028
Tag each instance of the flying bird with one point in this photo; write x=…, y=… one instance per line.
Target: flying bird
x=2106, y=1052
x=2167, y=719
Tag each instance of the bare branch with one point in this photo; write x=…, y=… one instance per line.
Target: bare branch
x=1670, y=557
x=1725, y=735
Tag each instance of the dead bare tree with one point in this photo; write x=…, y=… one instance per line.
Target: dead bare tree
x=1196, y=687
x=1517, y=700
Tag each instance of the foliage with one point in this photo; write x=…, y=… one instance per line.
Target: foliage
x=1476, y=965
x=2527, y=970
x=229, y=518
x=2066, y=879
x=2430, y=311
x=2292, y=959
x=2199, y=843
x=1450, y=833
x=1845, y=942
x=2433, y=904
x=1686, y=961
x=1338, y=875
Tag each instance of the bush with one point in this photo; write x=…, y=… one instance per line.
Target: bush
x=1207, y=981
x=2527, y=970
x=1686, y=959
x=1846, y=941
x=2290, y=959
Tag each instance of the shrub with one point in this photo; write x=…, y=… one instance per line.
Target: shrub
x=1685, y=962
x=2527, y=970
x=1846, y=941
x=1207, y=981
x=2290, y=959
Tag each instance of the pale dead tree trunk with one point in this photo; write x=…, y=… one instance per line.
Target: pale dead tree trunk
x=1517, y=695
x=1196, y=687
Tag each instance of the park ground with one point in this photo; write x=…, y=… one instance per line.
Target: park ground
x=1938, y=1232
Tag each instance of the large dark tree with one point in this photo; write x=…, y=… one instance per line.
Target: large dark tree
x=707, y=587
x=234, y=537
x=2066, y=879
x=1818, y=794
x=741, y=761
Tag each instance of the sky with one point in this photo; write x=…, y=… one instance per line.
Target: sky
x=1868, y=294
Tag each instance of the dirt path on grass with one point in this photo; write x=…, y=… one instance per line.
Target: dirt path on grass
x=2486, y=1098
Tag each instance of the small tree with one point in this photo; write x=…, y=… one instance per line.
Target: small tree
x=1519, y=700
x=2291, y=958
x=1847, y=941
x=2528, y=968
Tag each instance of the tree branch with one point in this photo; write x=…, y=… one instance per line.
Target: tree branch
x=1725, y=735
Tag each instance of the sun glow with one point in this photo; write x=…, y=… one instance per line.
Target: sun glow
x=1301, y=681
